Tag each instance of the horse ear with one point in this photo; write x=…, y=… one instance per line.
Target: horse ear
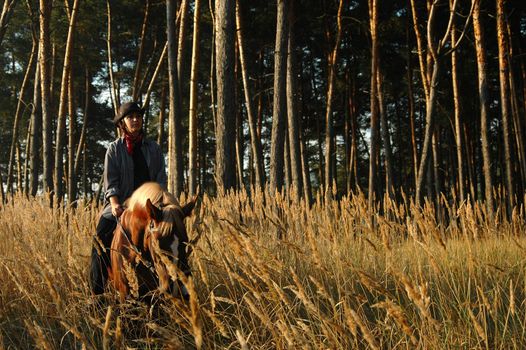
x=153, y=212
x=188, y=207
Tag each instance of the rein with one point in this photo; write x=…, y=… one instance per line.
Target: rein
x=145, y=262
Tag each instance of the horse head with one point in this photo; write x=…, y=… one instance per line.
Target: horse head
x=165, y=239
x=152, y=237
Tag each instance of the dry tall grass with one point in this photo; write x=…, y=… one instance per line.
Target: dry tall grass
x=339, y=277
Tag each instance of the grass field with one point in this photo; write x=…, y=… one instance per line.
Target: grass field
x=277, y=275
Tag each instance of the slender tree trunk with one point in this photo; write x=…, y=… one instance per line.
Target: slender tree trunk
x=373, y=21
x=162, y=112
x=279, y=103
x=148, y=93
x=36, y=133
x=255, y=141
x=25, y=180
x=175, y=161
x=7, y=10
x=305, y=170
x=82, y=138
x=457, y=112
x=14, y=140
x=135, y=87
x=114, y=94
x=45, y=82
x=504, y=100
x=329, y=133
x=192, y=118
x=181, y=46
x=386, y=137
x=72, y=174
x=226, y=111
x=61, y=124
x=292, y=109
x=478, y=29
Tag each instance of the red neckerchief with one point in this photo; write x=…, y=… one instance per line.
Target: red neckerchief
x=131, y=142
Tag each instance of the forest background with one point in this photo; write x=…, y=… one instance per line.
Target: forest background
x=298, y=96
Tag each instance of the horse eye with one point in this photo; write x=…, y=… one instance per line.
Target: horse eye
x=151, y=225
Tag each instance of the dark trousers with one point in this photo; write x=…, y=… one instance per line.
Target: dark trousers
x=100, y=263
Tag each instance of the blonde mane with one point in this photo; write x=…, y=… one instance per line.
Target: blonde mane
x=153, y=191
x=162, y=199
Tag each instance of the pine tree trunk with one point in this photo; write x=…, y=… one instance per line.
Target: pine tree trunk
x=82, y=138
x=279, y=101
x=478, y=30
x=226, y=111
x=504, y=101
x=192, y=118
x=114, y=93
x=175, y=161
x=458, y=122
x=181, y=46
x=61, y=124
x=255, y=141
x=36, y=133
x=373, y=21
x=162, y=112
x=386, y=137
x=45, y=82
x=329, y=133
x=7, y=10
x=72, y=174
x=292, y=110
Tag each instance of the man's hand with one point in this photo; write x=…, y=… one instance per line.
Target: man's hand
x=116, y=207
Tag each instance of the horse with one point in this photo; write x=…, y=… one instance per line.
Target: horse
x=149, y=242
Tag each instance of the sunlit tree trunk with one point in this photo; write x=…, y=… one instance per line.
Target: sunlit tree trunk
x=82, y=138
x=329, y=133
x=226, y=111
x=7, y=10
x=181, y=46
x=457, y=112
x=478, y=30
x=373, y=22
x=279, y=102
x=175, y=161
x=45, y=82
x=293, y=109
x=114, y=93
x=61, y=123
x=36, y=134
x=504, y=100
x=72, y=175
x=192, y=118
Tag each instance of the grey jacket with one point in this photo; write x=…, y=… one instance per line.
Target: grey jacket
x=118, y=170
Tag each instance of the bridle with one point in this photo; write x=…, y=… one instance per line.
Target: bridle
x=148, y=264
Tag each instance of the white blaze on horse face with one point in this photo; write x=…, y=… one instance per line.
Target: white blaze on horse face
x=175, y=249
